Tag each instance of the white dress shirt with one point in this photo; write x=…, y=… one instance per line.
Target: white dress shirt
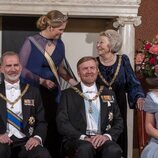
x=93, y=119
x=12, y=92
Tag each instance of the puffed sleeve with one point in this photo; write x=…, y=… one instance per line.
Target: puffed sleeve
x=150, y=104
x=133, y=86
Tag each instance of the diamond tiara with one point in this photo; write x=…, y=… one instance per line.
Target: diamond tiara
x=62, y=19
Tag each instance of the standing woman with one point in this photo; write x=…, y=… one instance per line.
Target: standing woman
x=42, y=57
x=116, y=73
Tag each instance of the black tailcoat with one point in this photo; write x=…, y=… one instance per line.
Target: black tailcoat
x=71, y=116
x=39, y=126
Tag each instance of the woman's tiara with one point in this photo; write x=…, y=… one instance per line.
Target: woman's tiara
x=61, y=19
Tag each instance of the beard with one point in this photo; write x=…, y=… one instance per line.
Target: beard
x=12, y=78
x=89, y=79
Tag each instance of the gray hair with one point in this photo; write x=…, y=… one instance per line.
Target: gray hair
x=115, y=39
x=8, y=53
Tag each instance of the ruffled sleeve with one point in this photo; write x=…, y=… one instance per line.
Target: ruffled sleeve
x=151, y=105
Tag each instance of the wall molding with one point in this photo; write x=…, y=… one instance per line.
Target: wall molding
x=75, y=8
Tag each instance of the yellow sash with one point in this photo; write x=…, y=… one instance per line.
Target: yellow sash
x=52, y=66
x=48, y=58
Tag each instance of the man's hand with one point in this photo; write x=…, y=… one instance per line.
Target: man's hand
x=5, y=139
x=32, y=142
x=97, y=140
x=88, y=139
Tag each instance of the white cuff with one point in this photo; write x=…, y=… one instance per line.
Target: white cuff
x=82, y=137
x=108, y=135
x=36, y=136
x=41, y=80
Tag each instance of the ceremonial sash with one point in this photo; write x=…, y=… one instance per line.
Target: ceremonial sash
x=48, y=58
x=14, y=120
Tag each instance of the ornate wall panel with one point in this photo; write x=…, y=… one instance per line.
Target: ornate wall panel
x=88, y=8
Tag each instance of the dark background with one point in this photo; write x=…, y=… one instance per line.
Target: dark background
x=15, y=30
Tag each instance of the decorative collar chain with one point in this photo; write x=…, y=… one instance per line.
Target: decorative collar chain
x=83, y=96
x=109, y=84
x=17, y=99
x=89, y=100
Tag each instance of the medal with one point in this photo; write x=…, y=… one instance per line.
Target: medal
x=90, y=110
x=31, y=120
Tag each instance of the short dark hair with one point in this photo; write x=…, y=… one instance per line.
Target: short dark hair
x=86, y=58
x=9, y=53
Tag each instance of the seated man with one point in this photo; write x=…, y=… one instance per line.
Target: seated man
x=88, y=116
x=22, y=124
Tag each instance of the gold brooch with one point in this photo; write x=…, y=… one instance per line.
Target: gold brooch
x=31, y=120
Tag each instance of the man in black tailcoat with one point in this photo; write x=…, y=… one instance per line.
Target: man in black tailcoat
x=22, y=124
x=88, y=116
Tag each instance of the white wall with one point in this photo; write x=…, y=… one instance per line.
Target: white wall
x=78, y=45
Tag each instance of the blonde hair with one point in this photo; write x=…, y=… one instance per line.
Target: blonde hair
x=115, y=39
x=53, y=18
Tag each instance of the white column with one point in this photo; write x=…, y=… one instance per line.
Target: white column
x=0, y=42
x=126, y=28
x=0, y=36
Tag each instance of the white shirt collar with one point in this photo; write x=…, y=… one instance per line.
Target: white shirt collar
x=85, y=88
x=10, y=85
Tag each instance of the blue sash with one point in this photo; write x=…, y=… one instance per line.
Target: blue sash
x=14, y=120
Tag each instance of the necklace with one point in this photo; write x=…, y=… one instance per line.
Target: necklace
x=49, y=41
x=17, y=99
x=90, y=110
x=109, y=84
x=108, y=61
